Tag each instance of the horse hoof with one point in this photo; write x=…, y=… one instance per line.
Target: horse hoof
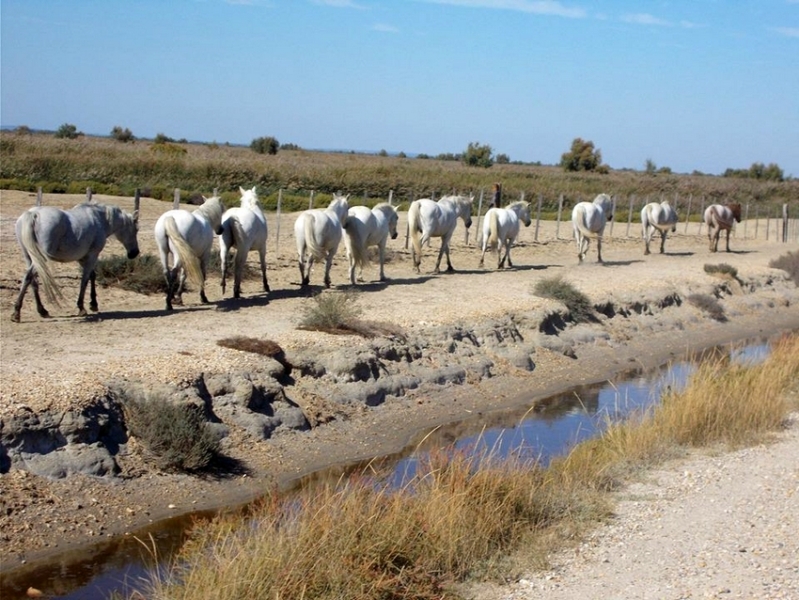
x=82, y=312
x=15, y=318
x=93, y=307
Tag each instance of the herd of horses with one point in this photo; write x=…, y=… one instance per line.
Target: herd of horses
x=185, y=238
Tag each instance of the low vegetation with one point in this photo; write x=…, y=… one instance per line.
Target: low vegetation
x=176, y=436
x=789, y=263
x=157, y=167
x=722, y=269
x=143, y=274
x=332, y=312
x=709, y=305
x=577, y=303
x=461, y=516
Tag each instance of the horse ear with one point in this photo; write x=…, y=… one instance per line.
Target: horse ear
x=253, y=189
x=241, y=190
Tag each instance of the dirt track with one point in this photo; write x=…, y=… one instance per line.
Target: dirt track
x=58, y=363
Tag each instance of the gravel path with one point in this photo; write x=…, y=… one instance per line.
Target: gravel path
x=722, y=526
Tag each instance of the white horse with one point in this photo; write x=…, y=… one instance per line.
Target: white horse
x=188, y=238
x=243, y=228
x=657, y=216
x=589, y=220
x=364, y=228
x=47, y=233
x=318, y=232
x=428, y=219
x=501, y=227
x=718, y=217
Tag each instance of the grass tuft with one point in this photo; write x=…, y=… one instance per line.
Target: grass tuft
x=332, y=312
x=142, y=275
x=722, y=269
x=176, y=435
x=709, y=305
x=788, y=263
x=556, y=288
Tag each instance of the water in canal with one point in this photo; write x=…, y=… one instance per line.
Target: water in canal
x=545, y=431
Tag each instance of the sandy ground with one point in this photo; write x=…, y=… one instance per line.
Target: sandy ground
x=59, y=362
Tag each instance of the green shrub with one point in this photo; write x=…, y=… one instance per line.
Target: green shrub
x=176, y=435
x=265, y=145
x=122, y=135
x=67, y=131
x=556, y=288
x=722, y=269
x=581, y=157
x=478, y=155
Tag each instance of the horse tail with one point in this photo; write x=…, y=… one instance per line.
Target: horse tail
x=415, y=228
x=579, y=222
x=30, y=244
x=493, y=228
x=310, y=236
x=357, y=243
x=190, y=261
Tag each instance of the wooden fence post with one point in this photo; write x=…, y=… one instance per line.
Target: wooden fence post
x=784, y=223
x=176, y=199
x=136, y=200
x=88, y=194
x=630, y=214
x=538, y=215
x=391, y=197
x=701, y=215
x=612, y=213
x=277, y=218
x=479, y=236
x=688, y=214
x=560, y=212
x=746, y=218
x=39, y=196
x=757, y=219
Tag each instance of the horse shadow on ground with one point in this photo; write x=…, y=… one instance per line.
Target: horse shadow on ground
x=526, y=268
x=723, y=252
x=225, y=467
x=233, y=304
x=123, y=315
x=679, y=253
x=620, y=263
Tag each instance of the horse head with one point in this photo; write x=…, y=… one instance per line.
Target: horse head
x=125, y=227
x=465, y=209
x=393, y=219
x=605, y=202
x=340, y=206
x=213, y=209
x=249, y=198
x=735, y=208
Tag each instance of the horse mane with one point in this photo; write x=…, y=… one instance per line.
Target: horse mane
x=383, y=206
x=518, y=203
x=212, y=209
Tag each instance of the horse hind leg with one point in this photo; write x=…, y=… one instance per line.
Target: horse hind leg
x=29, y=279
x=728, y=239
x=328, y=265
x=204, y=272
x=262, y=255
x=663, y=242
x=93, y=306
x=599, y=250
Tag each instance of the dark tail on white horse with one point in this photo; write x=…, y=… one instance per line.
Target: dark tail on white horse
x=38, y=259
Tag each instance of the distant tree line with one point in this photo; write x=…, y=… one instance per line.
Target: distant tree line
x=582, y=156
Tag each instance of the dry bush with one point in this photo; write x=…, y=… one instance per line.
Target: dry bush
x=254, y=345
x=556, y=288
x=143, y=274
x=709, y=305
x=788, y=263
x=722, y=269
x=176, y=435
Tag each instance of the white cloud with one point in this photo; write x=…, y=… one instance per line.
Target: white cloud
x=538, y=7
x=339, y=3
x=788, y=31
x=385, y=28
x=645, y=19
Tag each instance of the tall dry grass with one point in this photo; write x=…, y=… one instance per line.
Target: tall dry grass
x=111, y=167
x=462, y=514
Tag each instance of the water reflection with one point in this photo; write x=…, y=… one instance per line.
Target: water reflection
x=541, y=432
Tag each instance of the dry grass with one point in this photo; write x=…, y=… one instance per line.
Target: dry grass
x=461, y=514
x=111, y=167
x=789, y=263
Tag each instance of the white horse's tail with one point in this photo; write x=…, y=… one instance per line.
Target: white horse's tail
x=415, y=228
x=190, y=261
x=580, y=224
x=38, y=259
x=357, y=245
x=493, y=228
x=310, y=236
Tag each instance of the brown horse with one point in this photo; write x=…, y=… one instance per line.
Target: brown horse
x=718, y=217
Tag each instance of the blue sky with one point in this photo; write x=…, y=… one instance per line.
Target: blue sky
x=691, y=85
